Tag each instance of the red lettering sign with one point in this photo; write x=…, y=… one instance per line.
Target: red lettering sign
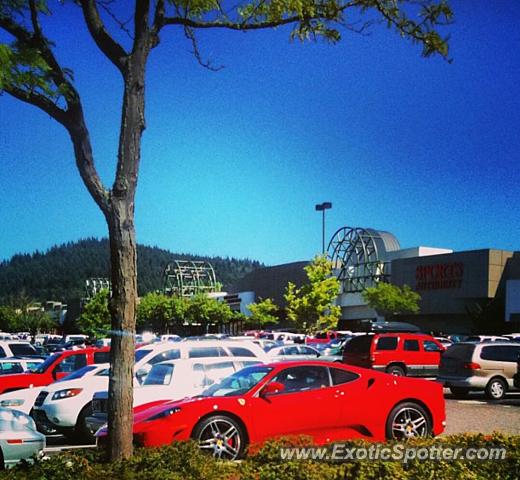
x=439, y=276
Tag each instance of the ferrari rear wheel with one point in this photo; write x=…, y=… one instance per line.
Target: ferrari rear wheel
x=408, y=420
x=221, y=436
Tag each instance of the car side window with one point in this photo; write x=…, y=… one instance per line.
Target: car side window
x=340, y=376
x=241, y=352
x=500, y=353
x=298, y=379
x=101, y=357
x=290, y=351
x=173, y=354
x=306, y=351
x=203, y=352
x=71, y=363
x=2, y=353
x=430, y=346
x=386, y=343
x=10, y=367
x=411, y=345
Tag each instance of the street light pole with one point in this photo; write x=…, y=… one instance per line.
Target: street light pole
x=321, y=207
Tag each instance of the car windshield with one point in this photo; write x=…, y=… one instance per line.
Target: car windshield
x=160, y=374
x=239, y=383
x=78, y=373
x=43, y=367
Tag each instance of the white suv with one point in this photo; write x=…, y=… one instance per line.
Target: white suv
x=148, y=355
x=16, y=348
x=65, y=404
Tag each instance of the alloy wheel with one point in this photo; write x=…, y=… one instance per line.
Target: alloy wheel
x=409, y=422
x=221, y=437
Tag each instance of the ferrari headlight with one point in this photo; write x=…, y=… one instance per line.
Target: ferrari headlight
x=67, y=393
x=164, y=414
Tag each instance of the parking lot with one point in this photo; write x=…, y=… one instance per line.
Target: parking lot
x=476, y=414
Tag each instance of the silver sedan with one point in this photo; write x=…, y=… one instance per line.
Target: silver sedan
x=19, y=438
x=293, y=352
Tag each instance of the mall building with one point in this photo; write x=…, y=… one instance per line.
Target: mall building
x=476, y=291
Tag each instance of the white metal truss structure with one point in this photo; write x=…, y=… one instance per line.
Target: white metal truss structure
x=359, y=257
x=185, y=278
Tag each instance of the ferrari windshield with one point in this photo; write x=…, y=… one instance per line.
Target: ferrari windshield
x=239, y=383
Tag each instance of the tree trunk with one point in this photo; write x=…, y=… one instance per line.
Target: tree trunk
x=123, y=255
x=122, y=305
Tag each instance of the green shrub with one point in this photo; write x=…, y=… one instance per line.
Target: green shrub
x=184, y=461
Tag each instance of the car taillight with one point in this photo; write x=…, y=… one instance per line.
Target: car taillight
x=472, y=366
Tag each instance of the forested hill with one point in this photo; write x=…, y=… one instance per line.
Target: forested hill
x=60, y=273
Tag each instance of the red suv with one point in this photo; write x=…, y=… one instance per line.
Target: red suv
x=323, y=337
x=412, y=354
x=57, y=366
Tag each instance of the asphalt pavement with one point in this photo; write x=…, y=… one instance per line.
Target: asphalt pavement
x=476, y=414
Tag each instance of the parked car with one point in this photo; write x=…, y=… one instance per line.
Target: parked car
x=283, y=337
x=333, y=351
x=172, y=380
x=21, y=400
x=516, y=377
x=292, y=352
x=488, y=367
x=444, y=341
x=412, y=354
x=322, y=337
x=16, y=348
x=19, y=439
x=64, y=405
x=263, y=343
x=11, y=365
x=170, y=338
x=54, y=367
x=457, y=337
x=486, y=338
x=302, y=398
x=72, y=344
x=515, y=337
x=148, y=355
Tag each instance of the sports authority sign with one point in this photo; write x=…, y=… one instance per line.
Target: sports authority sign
x=439, y=276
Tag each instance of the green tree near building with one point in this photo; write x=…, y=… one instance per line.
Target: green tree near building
x=206, y=311
x=35, y=321
x=312, y=306
x=23, y=314
x=95, y=319
x=161, y=312
x=390, y=300
x=263, y=313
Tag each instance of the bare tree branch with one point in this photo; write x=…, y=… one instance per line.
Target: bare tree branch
x=122, y=25
x=190, y=35
x=113, y=51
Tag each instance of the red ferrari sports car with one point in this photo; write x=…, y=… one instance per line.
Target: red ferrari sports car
x=327, y=401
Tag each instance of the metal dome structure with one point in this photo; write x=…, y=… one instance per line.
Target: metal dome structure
x=187, y=277
x=359, y=256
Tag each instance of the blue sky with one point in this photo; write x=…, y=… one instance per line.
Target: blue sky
x=233, y=162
